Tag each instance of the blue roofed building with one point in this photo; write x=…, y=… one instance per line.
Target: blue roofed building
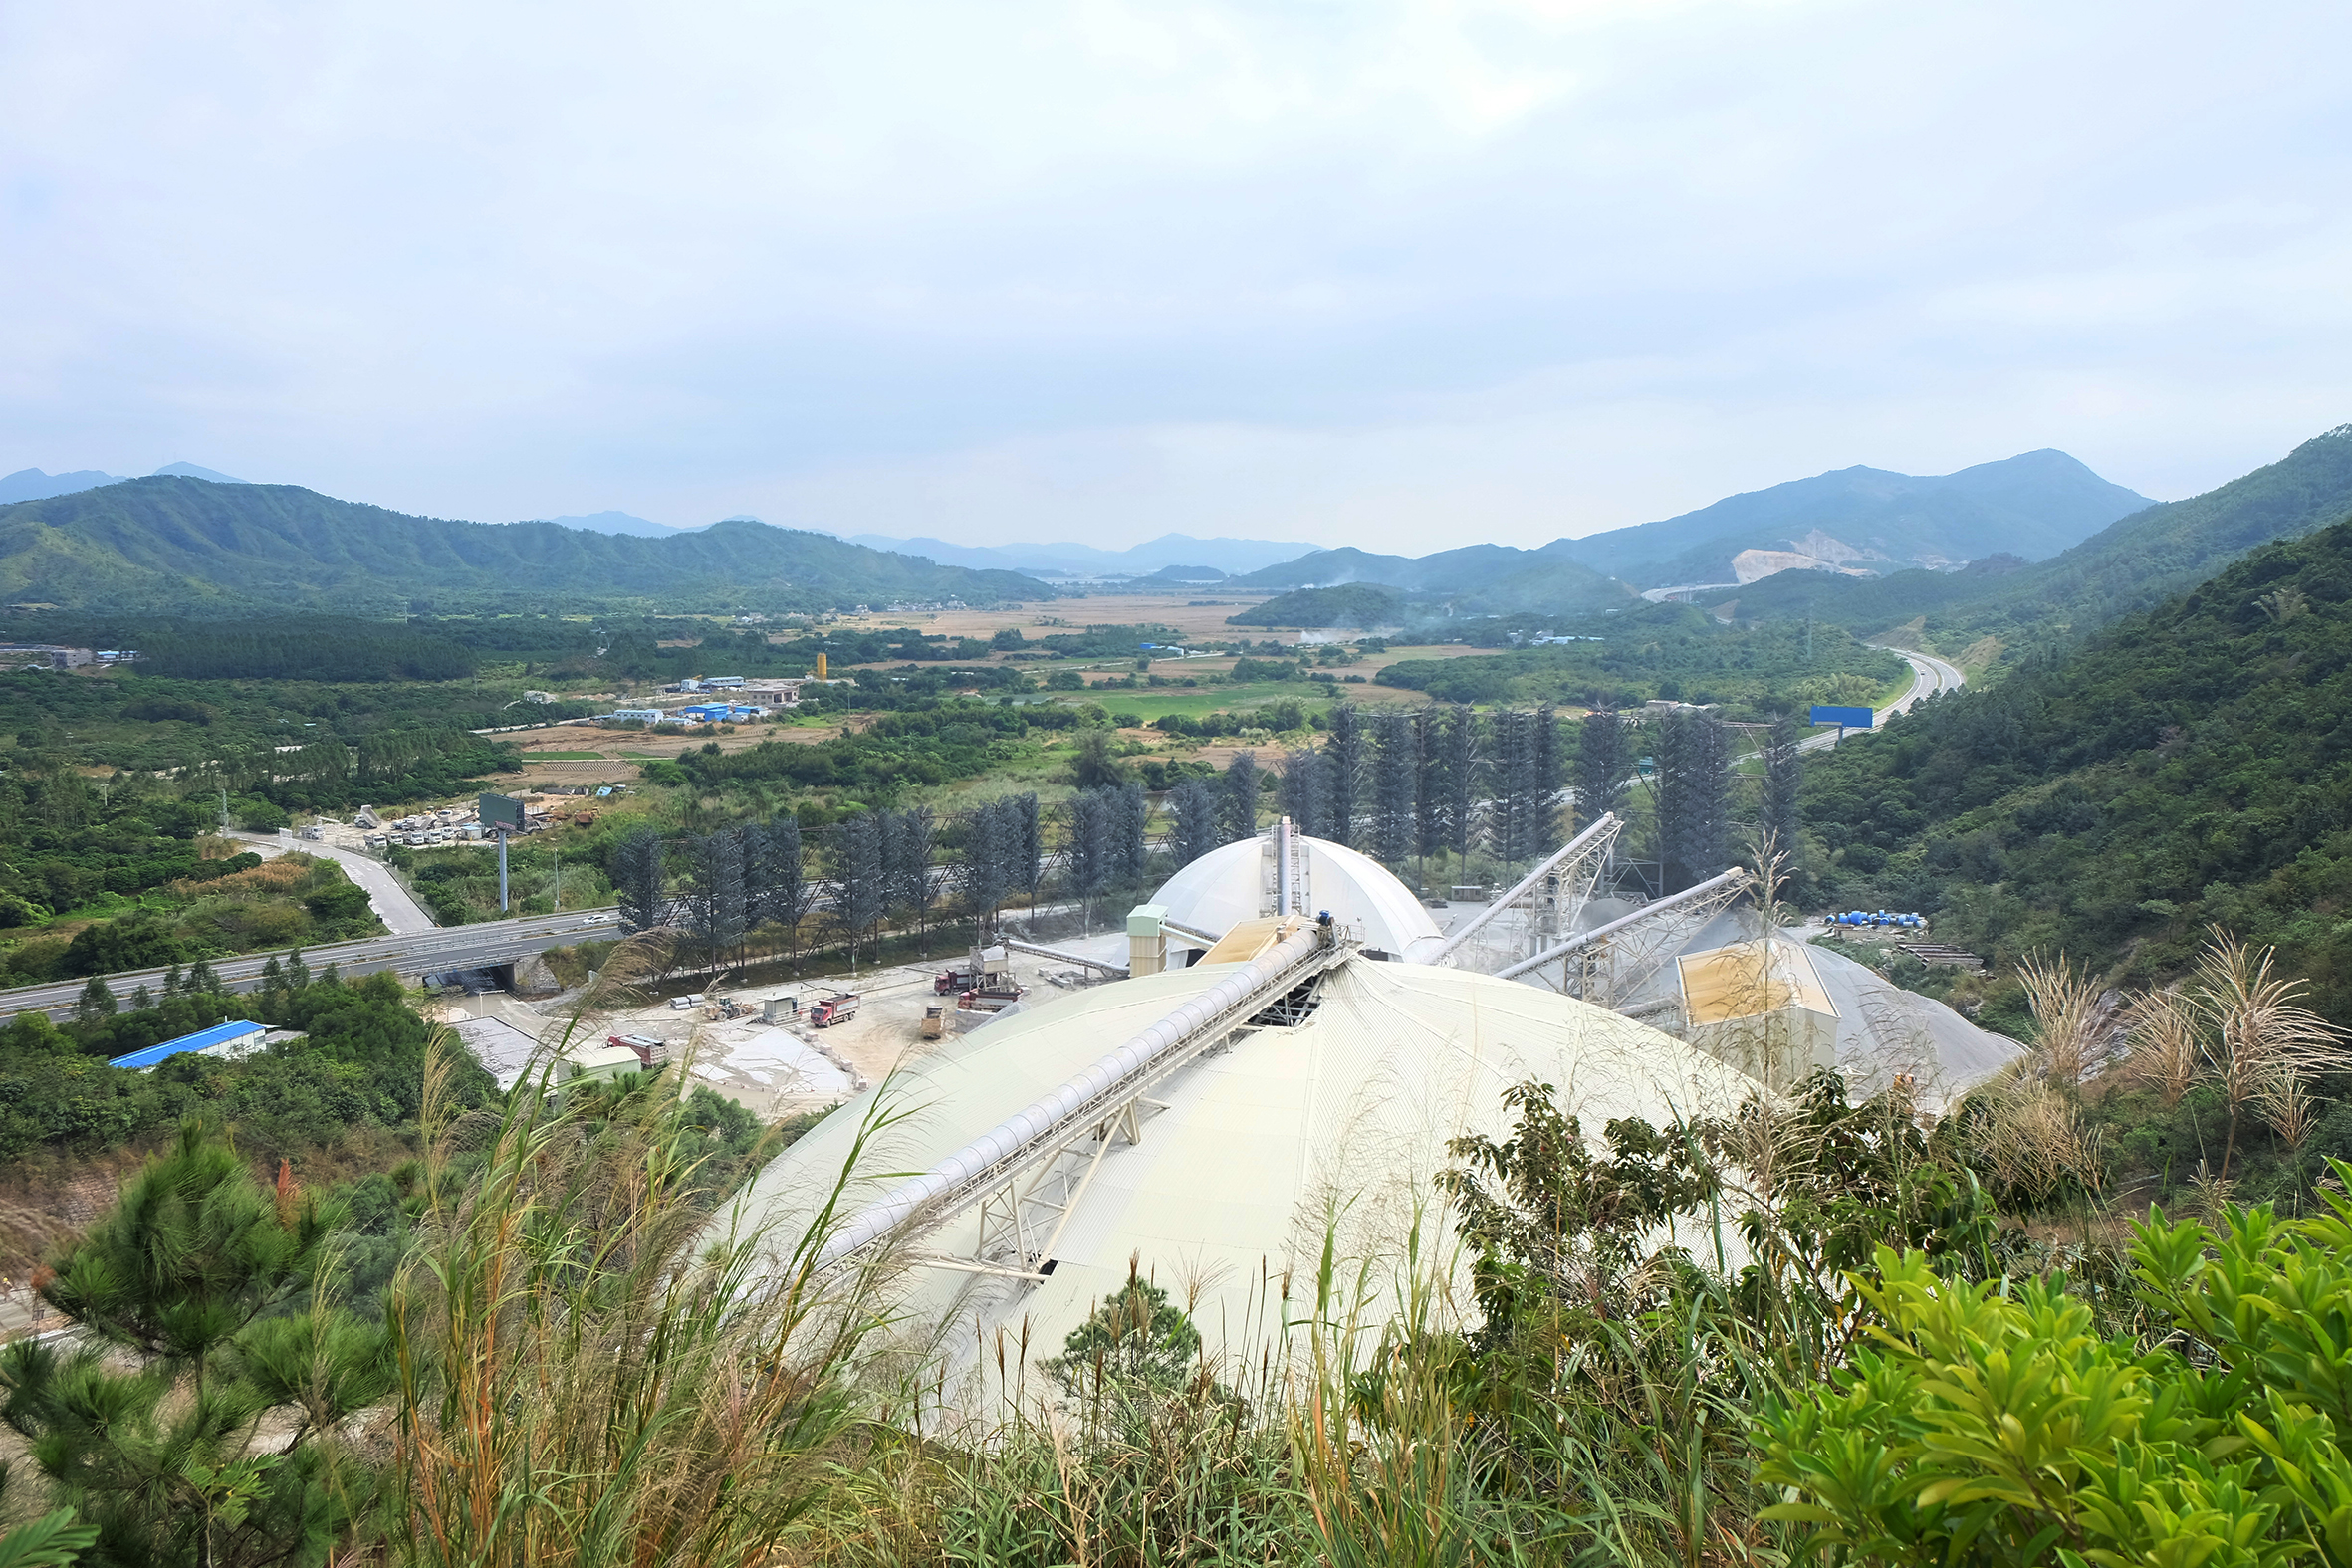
x=233, y=1040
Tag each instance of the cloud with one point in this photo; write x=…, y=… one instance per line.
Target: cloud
x=1307, y=269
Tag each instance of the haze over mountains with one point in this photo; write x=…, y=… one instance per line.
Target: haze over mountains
x=1231, y=557
x=171, y=540
x=30, y=484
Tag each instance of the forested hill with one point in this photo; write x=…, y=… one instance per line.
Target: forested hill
x=1473, y=580
x=2190, y=764
x=2131, y=564
x=181, y=544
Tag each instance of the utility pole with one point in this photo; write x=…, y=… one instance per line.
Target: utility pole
x=559, y=879
x=502, y=899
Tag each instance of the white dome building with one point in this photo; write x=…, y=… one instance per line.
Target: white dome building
x=1336, y=1104
x=1239, y=881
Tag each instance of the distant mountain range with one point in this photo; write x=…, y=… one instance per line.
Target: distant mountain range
x=1228, y=557
x=2128, y=565
x=1857, y=522
x=1866, y=520
x=30, y=484
x=187, y=545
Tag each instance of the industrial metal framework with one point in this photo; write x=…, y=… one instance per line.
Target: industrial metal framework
x=1610, y=962
x=1026, y=1175
x=1562, y=883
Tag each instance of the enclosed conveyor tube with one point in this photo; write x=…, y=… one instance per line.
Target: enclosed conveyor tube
x=1040, y=1124
x=1651, y=910
x=1064, y=956
x=1604, y=828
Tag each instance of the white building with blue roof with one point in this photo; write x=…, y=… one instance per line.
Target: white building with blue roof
x=233, y=1040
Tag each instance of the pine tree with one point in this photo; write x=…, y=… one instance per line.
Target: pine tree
x=1429, y=811
x=1511, y=790
x=859, y=879
x=1604, y=764
x=1393, y=778
x=1694, y=799
x=197, y=1278
x=1463, y=773
x=1194, y=803
x=1783, y=778
x=715, y=912
x=1028, y=844
x=1091, y=850
x=775, y=879
x=1240, y=819
x=911, y=869
x=637, y=877
x=1548, y=778
x=1130, y=822
x=97, y=1003
x=1346, y=768
x=987, y=869
x=1304, y=790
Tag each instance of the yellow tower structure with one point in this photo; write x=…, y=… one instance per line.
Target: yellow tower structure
x=821, y=666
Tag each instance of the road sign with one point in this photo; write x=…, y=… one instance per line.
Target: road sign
x=1848, y=718
x=501, y=810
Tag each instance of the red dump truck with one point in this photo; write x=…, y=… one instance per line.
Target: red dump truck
x=838, y=1008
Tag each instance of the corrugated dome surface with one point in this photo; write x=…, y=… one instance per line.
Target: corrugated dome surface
x=1235, y=882
x=1230, y=1190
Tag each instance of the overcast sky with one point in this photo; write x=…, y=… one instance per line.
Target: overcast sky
x=1405, y=276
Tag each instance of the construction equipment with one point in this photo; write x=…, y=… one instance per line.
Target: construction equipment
x=935, y=1022
x=839, y=1008
x=983, y=969
x=649, y=1050
x=992, y=997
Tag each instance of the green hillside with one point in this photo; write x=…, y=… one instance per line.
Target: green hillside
x=181, y=544
x=1350, y=604
x=2128, y=566
x=1481, y=579
x=2192, y=764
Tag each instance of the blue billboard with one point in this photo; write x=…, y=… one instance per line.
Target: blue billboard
x=1851, y=718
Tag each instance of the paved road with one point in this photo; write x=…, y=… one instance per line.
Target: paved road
x=442, y=948
x=400, y=911
x=1928, y=675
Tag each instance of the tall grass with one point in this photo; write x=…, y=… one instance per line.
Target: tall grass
x=586, y=1376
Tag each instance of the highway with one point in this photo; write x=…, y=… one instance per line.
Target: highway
x=410, y=953
x=1928, y=675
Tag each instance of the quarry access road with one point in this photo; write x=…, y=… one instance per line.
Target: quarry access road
x=395, y=905
x=1928, y=675
x=411, y=954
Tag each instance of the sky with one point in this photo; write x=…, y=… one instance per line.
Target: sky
x=1405, y=276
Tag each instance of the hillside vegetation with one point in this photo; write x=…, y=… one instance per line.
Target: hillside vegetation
x=2191, y=763
x=1670, y=651
x=180, y=544
x=1477, y=579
